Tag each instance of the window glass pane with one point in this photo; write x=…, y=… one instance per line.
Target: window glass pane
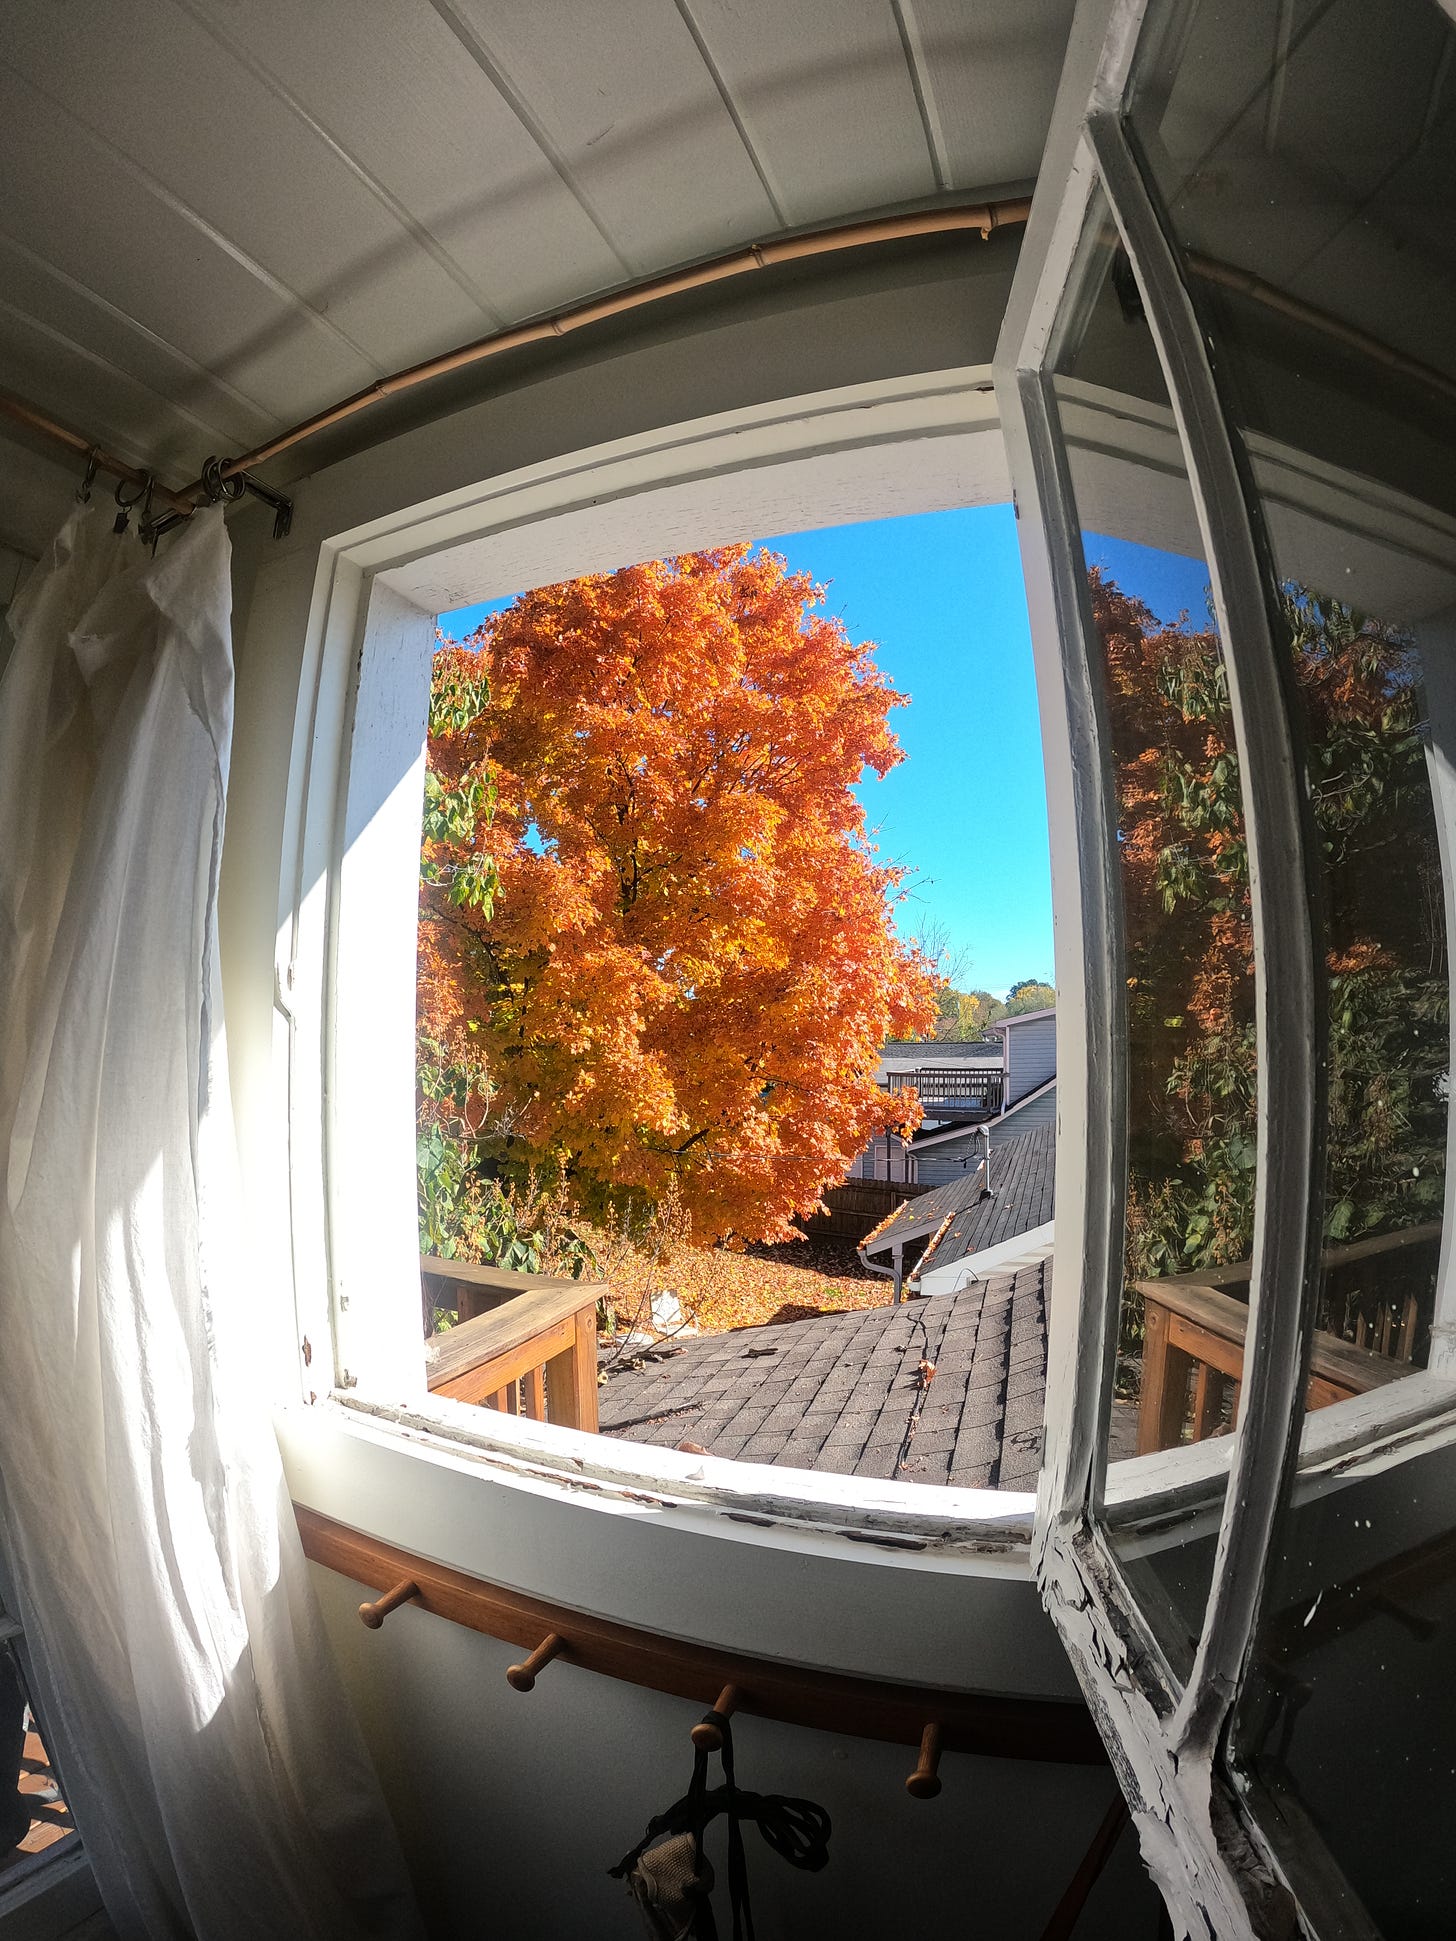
x=693, y=1055
x=1184, y=881
x=1310, y=184
x=1307, y=158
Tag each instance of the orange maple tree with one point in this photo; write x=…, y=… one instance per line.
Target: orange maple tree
x=652, y=922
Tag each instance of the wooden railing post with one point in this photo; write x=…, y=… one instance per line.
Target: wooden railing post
x=1165, y=1383
x=571, y=1378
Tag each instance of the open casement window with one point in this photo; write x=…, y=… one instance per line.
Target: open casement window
x=1228, y=386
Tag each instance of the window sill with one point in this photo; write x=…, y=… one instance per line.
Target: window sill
x=695, y=1548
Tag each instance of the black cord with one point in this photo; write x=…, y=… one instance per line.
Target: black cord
x=797, y=1829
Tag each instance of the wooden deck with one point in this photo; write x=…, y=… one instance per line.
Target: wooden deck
x=950, y=1092
x=524, y=1344
x=1193, y=1342
x=51, y=1821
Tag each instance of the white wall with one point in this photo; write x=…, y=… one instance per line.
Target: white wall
x=513, y=1807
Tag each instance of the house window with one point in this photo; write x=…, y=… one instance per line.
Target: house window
x=903, y=447
x=1262, y=200
x=693, y=903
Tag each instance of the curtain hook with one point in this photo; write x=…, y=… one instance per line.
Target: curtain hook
x=221, y=490
x=83, y=491
x=123, y=517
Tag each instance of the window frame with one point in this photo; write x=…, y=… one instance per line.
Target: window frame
x=345, y=949
x=1200, y=1829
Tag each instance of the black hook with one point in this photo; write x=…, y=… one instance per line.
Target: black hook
x=144, y=490
x=222, y=490
x=222, y=487
x=83, y=492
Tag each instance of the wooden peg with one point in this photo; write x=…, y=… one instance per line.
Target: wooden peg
x=924, y=1782
x=374, y=1614
x=707, y=1732
x=523, y=1677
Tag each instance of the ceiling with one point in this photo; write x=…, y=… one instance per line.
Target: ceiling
x=221, y=215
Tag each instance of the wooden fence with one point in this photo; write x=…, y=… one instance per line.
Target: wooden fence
x=857, y=1207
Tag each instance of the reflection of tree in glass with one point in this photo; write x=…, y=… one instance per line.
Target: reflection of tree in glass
x=1189, y=938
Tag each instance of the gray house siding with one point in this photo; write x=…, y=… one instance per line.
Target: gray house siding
x=953, y=1160
x=1036, y=1112
x=950, y=1159
x=1031, y=1056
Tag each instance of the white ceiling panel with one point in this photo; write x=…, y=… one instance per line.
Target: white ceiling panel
x=621, y=96
x=167, y=93
x=113, y=340
x=826, y=100
x=989, y=71
x=403, y=99
x=118, y=411
x=221, y=215
x=70, y=203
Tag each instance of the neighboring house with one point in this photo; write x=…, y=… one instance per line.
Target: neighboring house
x=904, y=1055
x=940, y=1153
x=1029, y=1054
x=1006, y=1081
x=887, y=1157
x=963, y=1231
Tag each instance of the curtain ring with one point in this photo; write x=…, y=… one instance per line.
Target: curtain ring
x=83, y=491
x=220, y=490
x=123, y=517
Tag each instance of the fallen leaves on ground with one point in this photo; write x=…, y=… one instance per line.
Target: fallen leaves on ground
x=720, y=1288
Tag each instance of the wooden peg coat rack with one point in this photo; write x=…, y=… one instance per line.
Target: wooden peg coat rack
x=990, y=1725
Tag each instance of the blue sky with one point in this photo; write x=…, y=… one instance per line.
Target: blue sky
x=941, y=596
x=1170, y=583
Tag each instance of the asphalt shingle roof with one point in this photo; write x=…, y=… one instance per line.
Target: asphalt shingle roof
x=844, y=1393
x=1023, y=1193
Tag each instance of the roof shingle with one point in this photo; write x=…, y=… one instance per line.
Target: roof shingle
x=844, y=1393
x=1023, y=1195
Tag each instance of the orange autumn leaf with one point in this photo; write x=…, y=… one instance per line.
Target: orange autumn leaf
x=689, y=963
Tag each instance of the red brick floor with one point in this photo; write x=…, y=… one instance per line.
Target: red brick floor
x=51, y=1821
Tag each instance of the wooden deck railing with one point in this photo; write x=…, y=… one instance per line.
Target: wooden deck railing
x=974, y=1089
x=524, y=1343
x=1193, y=1344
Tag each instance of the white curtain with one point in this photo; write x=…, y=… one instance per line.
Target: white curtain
x=213, y=1767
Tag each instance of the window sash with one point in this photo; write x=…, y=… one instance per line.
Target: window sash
x=1168, y=1732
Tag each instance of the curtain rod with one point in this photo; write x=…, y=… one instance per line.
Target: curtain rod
x=981, y=216
x=94, y=454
